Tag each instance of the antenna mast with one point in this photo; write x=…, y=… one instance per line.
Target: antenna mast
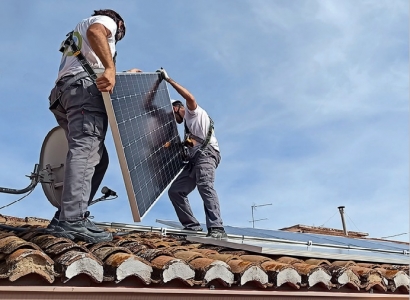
x=253, y=208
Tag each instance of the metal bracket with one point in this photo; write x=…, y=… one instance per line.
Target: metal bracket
x=163, y=231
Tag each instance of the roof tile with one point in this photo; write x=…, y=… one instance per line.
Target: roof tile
x=152, y=258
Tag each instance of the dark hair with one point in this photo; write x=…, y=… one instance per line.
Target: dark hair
x=177, y=103
x=116, y=17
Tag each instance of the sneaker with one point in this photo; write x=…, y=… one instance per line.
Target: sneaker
x=216, y=233
x=78, y=230
x=194, y=228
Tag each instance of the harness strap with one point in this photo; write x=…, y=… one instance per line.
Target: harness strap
x=69, y=42
x=205, y=142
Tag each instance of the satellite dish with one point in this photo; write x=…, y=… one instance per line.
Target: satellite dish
x=52, y=159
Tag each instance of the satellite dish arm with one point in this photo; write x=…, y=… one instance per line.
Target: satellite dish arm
x=34, y=180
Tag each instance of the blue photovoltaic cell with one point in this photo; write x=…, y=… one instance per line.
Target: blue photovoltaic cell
x=148, y=137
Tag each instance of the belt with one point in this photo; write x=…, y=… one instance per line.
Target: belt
x=70, y=81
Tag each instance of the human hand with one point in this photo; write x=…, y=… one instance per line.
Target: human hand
x=106, y=82
x=134, y=70
x=163, y=74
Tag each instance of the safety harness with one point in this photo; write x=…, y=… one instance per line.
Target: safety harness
x=188, y=136
x=88, y=71
x=69, y=42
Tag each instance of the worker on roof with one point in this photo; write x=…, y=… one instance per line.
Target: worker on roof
x=77, y=103
x=203, y=159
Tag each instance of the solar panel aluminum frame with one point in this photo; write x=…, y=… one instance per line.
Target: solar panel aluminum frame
x=136, y=212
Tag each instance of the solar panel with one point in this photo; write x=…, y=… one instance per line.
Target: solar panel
x=304, y=244
x=145, y=137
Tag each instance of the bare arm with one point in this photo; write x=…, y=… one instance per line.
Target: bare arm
x=190, y=100
x=97, y=35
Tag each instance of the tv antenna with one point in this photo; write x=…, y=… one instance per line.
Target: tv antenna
x=254, y=206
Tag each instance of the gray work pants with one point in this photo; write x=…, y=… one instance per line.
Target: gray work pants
x=200, y=174
x=81, y=113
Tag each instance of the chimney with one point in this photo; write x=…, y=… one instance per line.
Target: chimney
x=341, y=210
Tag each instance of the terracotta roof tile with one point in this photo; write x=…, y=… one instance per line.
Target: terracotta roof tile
x=27, y=261
x=152, y=258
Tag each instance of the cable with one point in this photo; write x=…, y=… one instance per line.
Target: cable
x=328, y=220
x=352, y=221
x=18, y=199
x=385, y=237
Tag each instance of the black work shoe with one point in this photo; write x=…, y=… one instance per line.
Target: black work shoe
x=54, y=220
x=79, y=231
x=216, y=233
x=194, y=228
x=53, y=223
x=90, y=224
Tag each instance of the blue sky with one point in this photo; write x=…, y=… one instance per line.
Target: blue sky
x=309, y=99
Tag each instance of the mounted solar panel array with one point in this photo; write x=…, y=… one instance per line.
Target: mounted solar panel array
x=308, y=244
x=145, y=137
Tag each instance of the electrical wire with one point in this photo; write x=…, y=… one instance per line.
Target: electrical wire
x=390, y=236
x=18, y=199
x=328, y=220
x=352, y=221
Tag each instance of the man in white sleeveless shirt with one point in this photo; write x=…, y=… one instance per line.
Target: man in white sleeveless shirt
x=78, y=106
x=204, y=158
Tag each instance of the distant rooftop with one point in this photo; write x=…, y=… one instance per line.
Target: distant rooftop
x=323, y=230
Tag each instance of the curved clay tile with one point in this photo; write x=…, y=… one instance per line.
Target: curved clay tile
x=27, y=261
x=342, y=276
x=317, y=262
x=175, y=249
x=121, y=242
x=149, y=235
x=123, y=265
x=224, y=257
x=251, y=273
x=104, y=252
x=280, y=273
x=135, y=248
x=205, y=252
x=314, y=274
x=404, y=268
x=188, y=256
x=47, y=240
x=194, y=246
x=396, y=279
x=289, y=260
x=11, y=243
x=162, y=244
x=370, y=266
x=207, y=270
x=150, y=254
x=255, y=258
x=344, y=263
x=30, y=234
x=370, y=278
x=94, y=247
x=59, y=248
x=73, y=263
x=6, y=234
x=4, y=270
x=148, y=243
x=234, y=252
x=172, y=268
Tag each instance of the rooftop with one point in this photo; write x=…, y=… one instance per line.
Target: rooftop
x=171, y=261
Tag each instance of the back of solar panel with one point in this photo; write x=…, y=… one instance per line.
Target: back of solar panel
x=145, y=137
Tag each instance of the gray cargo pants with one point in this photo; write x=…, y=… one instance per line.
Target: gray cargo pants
x=81, y=113
x=200, y=174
